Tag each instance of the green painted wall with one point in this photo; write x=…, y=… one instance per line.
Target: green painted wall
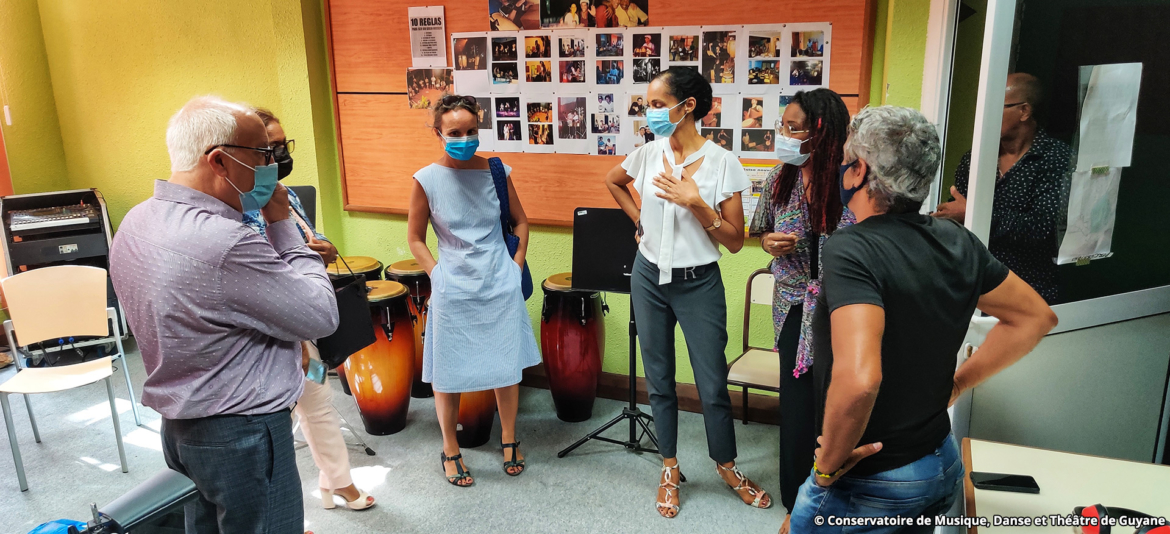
x=905, y=51
x=964, y=89
x=36, y=154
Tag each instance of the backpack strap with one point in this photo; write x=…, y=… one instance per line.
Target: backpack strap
x=500, y=178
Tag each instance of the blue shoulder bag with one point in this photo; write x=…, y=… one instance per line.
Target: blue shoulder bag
x=500, y=177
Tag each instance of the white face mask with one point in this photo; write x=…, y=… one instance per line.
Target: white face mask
x=788, y=151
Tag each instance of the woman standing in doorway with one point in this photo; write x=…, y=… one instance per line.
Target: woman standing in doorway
x=690, y=190
x=799, y=208
x=478, y=334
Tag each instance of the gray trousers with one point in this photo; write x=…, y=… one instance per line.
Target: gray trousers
x=695, y=300
x=245, y=469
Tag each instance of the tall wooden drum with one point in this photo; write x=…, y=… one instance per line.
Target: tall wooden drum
x=410, y=274
x=380, y=374
x=477, y=414
x=572, y=340
x=364, y=265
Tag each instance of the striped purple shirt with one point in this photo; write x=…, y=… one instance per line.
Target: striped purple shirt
x=218, y=310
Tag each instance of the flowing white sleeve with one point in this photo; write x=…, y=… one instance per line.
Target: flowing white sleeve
x=735, y=179
x=635, y=166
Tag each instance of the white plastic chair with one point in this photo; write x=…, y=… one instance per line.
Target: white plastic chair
x=53, y=303
x=756, y=368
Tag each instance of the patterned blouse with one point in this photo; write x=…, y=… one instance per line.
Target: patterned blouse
x=792, y=272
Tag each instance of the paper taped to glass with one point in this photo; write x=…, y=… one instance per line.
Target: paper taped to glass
x=1108, y=115
x=1092, y=209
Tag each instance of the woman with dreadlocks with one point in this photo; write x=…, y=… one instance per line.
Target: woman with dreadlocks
x=799, y=208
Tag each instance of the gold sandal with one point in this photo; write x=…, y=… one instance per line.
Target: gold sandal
x=670, y=487
x=744, y=484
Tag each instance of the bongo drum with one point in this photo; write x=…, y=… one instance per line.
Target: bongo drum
x=477, y=414
x=410, y=274
x=380, y=374
x=572, y=340
x=364, y=265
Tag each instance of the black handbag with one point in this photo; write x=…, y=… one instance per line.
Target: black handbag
x=355, y=326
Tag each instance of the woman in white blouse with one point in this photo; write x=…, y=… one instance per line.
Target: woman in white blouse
x=690, y=190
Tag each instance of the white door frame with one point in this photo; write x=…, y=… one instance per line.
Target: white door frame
x=937, y=73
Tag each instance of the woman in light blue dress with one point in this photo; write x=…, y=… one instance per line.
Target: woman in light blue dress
x=478, y=333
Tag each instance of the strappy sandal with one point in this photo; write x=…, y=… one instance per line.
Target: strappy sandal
x=744, y=484
x=671, y=487
x=513, y=463
x=462, y=474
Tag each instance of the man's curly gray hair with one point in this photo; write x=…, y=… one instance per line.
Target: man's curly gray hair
x=903, y=152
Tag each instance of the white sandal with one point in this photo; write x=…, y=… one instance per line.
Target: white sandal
x=361, y=503
x=759, y=494
x=670, y=488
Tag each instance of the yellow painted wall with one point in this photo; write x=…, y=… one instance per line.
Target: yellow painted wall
x=36, y=155
x=120, y=69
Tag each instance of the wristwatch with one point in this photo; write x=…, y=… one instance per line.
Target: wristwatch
x=716, y=224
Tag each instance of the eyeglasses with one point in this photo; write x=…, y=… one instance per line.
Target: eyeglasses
x=269, y=153
x=781, y=128
x=288, y=145
x=1012, y=105
x=455, y=99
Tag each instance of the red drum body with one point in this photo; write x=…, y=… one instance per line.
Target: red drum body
x=572, y=339
x=380, y=375
x=477, y=414
x=410, y=274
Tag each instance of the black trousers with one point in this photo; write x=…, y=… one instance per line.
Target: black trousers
x=245, y=469
x=798, y=438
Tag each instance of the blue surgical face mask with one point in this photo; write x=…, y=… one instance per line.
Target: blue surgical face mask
x=659, y=120
x=847, y=194
x=265, y=185
x=461, y=148
x=788, y=150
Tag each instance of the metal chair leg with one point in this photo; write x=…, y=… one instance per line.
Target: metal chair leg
x=745, y=404
x=12, y=441
x=129, y=384
x=117, y=425
x=32, y=419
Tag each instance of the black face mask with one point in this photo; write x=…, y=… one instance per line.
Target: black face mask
x=284, y=162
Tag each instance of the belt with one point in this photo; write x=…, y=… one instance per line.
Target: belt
x=685, y=273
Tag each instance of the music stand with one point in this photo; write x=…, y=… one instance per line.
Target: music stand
x=603, y=260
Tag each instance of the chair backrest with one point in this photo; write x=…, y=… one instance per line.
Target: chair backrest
x=760, y=288
x=54, y=302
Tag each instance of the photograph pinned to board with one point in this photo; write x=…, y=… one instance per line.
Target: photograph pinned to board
x=766, y=43
x=718, y=50
x=807, y=44
x=605, y=102
x=628, y=13
x=511, y=15
x=509, y=136
x=645, y=69
x=571, y=45
x=606, y=123
x=806, y=72
x=487, y=135
x=428, y=36
x=539, y=111
x=764, y=72
x=537, y=46
x=646, y=44
x=642, y=133
x=753, y=113
x=610, y=71
x=606, y=145
x=761, y=140
x=723, y=137
x=567, y=14
x=539, y=123
x=571, y=71
x=683, y=48
x=470, y=53
x=714, y=117
x=425, y=86
x=1092, y=211
x=538, y=71
x=1109, y=99
x=507, y=108
x=607, y=44
x=505, y=78
x=505, y=49
x=635, y=105
x=573, y=124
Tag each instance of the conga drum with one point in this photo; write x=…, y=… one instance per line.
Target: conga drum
x=344, y=381
x=380, y=374
x=572, y=340
x=364, y=265
x=411, y=275
x=477, y=414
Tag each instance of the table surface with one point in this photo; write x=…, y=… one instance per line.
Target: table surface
x=1066, y=481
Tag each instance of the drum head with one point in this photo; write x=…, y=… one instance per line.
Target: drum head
x=384, y=289
x=359, y=264
x=559, y=282
x=405, y=267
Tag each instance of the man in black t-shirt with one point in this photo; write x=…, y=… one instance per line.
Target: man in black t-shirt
x=899, y=289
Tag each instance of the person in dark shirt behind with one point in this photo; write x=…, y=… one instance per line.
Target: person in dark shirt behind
x=1029, y=179
x=899, y=291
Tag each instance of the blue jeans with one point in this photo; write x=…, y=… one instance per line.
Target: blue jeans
x=926, y=487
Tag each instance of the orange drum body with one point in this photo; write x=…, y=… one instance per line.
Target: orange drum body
x=411, y=275
x=477, y=413
x=380, y=374
x=572, y=339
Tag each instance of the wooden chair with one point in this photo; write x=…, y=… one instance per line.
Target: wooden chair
x=59, y=303
x=756, y=368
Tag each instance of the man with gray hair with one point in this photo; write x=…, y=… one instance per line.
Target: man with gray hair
x=899, y=290
x=219, y=311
